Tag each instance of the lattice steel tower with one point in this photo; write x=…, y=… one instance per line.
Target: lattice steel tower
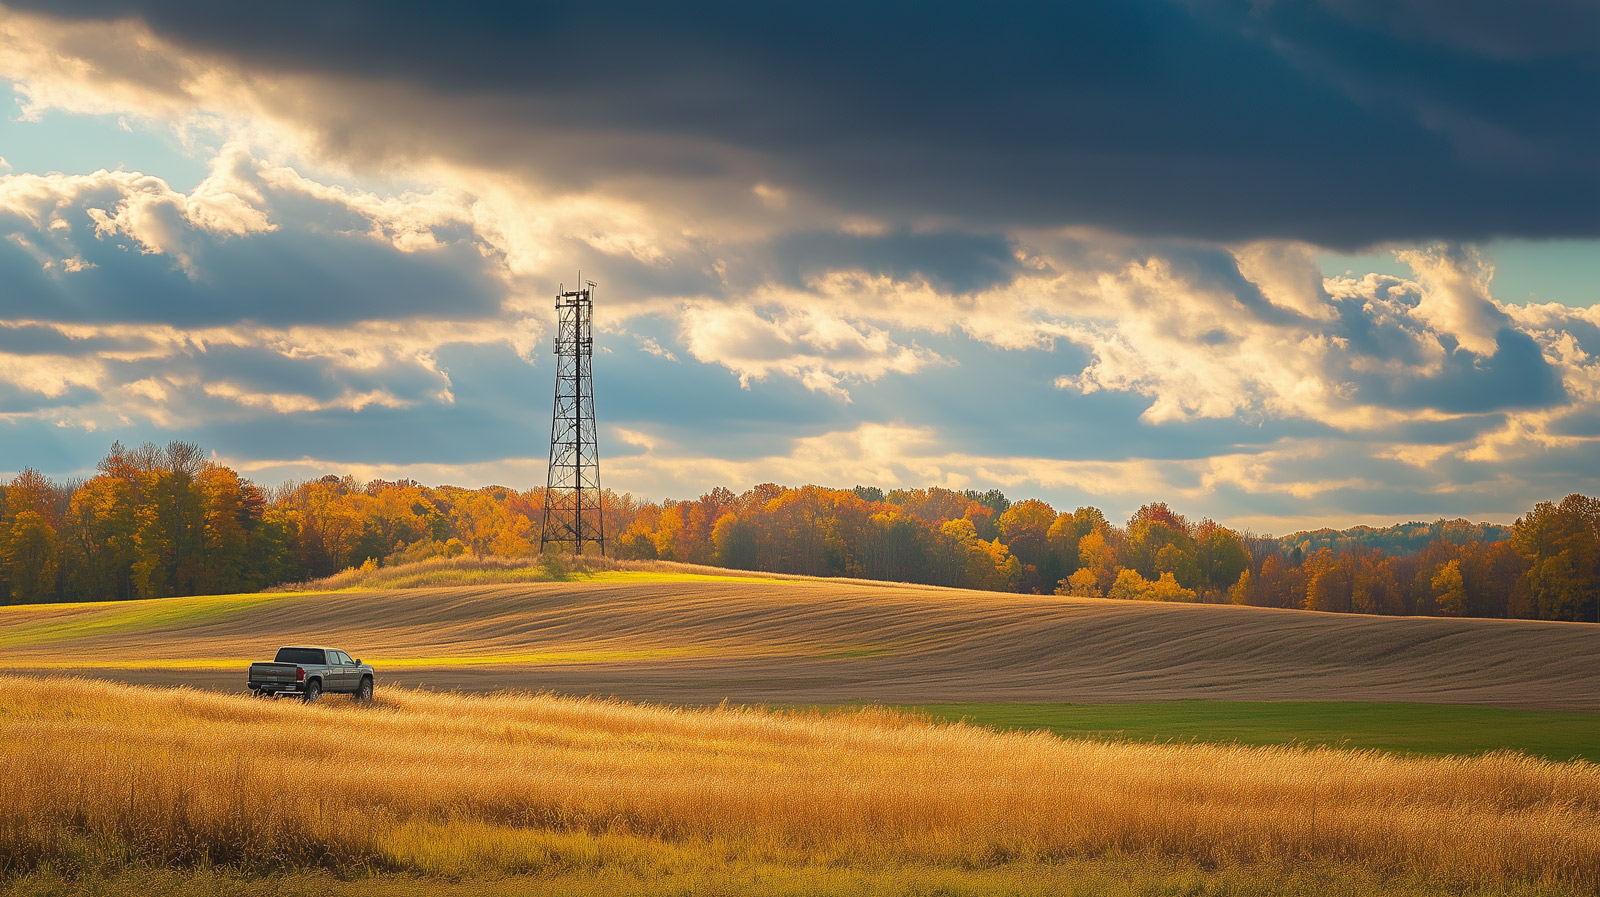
x=572, y=486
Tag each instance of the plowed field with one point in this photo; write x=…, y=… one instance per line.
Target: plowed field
x=797, y=641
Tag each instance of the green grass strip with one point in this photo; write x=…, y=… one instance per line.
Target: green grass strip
x=1420, y=729
x=34, y=624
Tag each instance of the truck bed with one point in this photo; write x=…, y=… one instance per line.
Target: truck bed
x=271, y=677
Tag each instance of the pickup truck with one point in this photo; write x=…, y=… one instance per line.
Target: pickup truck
x=309, y=673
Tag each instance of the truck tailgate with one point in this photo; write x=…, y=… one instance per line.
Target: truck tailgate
x=274, y=673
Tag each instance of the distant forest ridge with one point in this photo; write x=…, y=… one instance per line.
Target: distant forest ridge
x=1400, y=540
x=157, y=522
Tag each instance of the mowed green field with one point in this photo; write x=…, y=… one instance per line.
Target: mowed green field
x=1402, y=728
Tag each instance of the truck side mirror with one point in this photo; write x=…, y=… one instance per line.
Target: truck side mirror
x=358, y=661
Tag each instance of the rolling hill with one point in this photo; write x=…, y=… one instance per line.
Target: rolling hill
x=684, y=639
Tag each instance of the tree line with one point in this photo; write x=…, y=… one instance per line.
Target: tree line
x=163, y=521
x=1399, y=539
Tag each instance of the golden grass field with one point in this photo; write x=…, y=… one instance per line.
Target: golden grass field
x=662, y=635
x=568, y=795
x=116, y=789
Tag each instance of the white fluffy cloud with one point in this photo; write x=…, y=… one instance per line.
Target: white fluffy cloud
x=819, y=349
x=144, y=357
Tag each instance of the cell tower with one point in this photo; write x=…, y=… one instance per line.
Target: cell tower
x=572, y=486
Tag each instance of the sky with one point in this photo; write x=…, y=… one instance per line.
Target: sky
x=1281, y=264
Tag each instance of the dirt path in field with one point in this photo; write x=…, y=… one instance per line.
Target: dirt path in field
x=821, y=642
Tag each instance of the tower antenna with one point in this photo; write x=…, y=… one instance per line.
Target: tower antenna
x=572, y=505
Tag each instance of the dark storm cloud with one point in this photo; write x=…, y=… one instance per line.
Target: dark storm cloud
x=1501, y=113
x=689, y=274
x=949, y=262
x=1492, y=28
x=1344, y=123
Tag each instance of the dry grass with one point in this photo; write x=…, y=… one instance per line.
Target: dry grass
x=94, y=775
x=471, y=570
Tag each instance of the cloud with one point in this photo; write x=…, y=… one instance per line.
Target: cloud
x=1455, y=299
x=1249, y=334
x=50, y=376
x=121, y=375
x=821, y=350
x=259, y=292
x=1531, y=30
x=947, y=261
x=123, y=246
x=1219, y=120
x=650, y=345
x=292, y=403
x=1369, y=353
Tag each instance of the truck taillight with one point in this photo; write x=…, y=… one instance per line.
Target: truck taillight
x=299, y=674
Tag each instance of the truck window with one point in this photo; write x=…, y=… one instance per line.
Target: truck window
x=341, y=658
x=299, y=655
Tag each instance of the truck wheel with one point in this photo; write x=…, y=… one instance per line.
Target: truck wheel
x=313, y=691
x=363, y=693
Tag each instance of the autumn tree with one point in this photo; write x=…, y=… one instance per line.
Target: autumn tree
x=1279, y=584
x=1025, y=529
x=1562, y=550
x=227, y=512
x=1067, y=531
x=952, y=546
x=1330, y=581
x=638, y=540
x=99, y=538
x=1130, y=586
x=28, y=551
x=1375, y=586
x=991, y=567
x=170, y=539
x=32, y=491
x=1243, y=590
x=324, y=523
x=669, y=523
x=798, y=522
x=1160, y=541
x=1221, y=555
x=1098, y=556
x=1494, y=574
x=734, y=542
x=1450, y=591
